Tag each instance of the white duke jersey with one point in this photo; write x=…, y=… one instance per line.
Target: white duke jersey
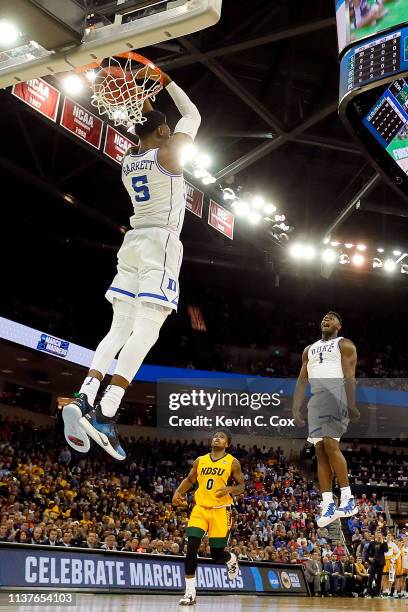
x=157, y=195
x=324, y=361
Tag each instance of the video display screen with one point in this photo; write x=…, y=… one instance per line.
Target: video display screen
x=357, y=19
x=388, y=122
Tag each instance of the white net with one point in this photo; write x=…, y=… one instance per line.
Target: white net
x=120, y=87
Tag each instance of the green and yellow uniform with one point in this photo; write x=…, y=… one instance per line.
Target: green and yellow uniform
x=211, y=514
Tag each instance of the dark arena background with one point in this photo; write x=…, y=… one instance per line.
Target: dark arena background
x=296, y=197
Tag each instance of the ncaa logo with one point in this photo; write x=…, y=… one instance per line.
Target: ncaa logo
x=286, y=580
x=273, y=579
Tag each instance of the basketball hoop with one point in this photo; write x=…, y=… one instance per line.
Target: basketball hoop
x=121, y=84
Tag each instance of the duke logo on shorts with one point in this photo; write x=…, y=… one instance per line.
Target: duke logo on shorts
x=150, y=257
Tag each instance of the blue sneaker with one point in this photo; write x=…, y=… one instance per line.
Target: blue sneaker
x=347, y=508
x=103, y=430
x=328, y=515
x=73, y=432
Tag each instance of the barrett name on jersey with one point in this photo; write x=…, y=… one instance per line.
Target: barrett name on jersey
x=157, y=195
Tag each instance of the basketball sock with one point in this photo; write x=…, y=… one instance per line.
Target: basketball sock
x=90, y=387
x=345, y=493
x=111, y=400
x=327, y=498
x=191, y=586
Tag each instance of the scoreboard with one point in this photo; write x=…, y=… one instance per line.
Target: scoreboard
x=374, y=100
x=387, y=121
x=367, y=63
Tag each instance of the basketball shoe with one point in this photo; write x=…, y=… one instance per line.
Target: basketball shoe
x=328, y=514
x=73, y=432
x=188, y=599
x=103, y=430
x=233, y=567
x=347, y=508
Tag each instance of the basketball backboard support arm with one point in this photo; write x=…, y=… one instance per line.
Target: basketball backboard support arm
x=181, y=18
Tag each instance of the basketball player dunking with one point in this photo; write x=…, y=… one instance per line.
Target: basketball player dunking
x=212, y=511
x=330, y=365
x=145, y=289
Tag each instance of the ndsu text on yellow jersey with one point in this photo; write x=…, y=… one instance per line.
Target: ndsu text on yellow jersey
x=213, y=475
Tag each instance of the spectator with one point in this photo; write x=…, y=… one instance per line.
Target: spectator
x=313, y=572
x=91, y=540
x=376, y=558
x=325, y=575
x=362, y=548
x=67, y=538
x=144, y=546
x=21, y=537
x=4, y=537
x=337, y=578
x=339, y=550
x=52, y=539
x=109, y=542
x=134, y=544
x=356, y=538
x=350, y=572
x=65, y=456
x=174, y=549
x=37, y=536
x=243, y=555
x=362, y=576
x=158, y=548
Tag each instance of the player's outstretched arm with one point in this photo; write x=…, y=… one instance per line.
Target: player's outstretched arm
x=238, y=477
x=186, y=484
x=185, y=130
x=348, y=363
x=300, y=391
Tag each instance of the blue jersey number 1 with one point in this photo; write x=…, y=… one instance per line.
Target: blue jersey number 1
x=321, y=357
x=139, y=184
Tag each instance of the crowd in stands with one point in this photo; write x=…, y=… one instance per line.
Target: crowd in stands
x=374, y=467
x=49, y=495
x=278, y=329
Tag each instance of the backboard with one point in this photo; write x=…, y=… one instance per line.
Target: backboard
x=55, y=37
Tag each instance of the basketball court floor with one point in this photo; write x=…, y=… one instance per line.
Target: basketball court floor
x=228, y=603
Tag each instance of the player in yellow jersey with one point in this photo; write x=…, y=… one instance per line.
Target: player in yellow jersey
x=212, y=511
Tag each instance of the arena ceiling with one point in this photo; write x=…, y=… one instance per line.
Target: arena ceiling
x=265, y=79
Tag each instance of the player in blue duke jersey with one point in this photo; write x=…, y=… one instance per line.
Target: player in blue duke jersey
x=145, y=289
x=330, y=366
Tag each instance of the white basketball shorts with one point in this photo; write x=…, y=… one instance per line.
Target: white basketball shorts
x=148, y=268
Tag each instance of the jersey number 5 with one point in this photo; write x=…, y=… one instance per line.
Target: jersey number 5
x=139, y=184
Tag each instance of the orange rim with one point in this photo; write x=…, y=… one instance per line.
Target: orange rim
x=128, y=55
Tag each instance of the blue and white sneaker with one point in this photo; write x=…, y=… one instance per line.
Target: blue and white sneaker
x=73, y=432
x=328, y=515
x=347, y=508
x=103, y=430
